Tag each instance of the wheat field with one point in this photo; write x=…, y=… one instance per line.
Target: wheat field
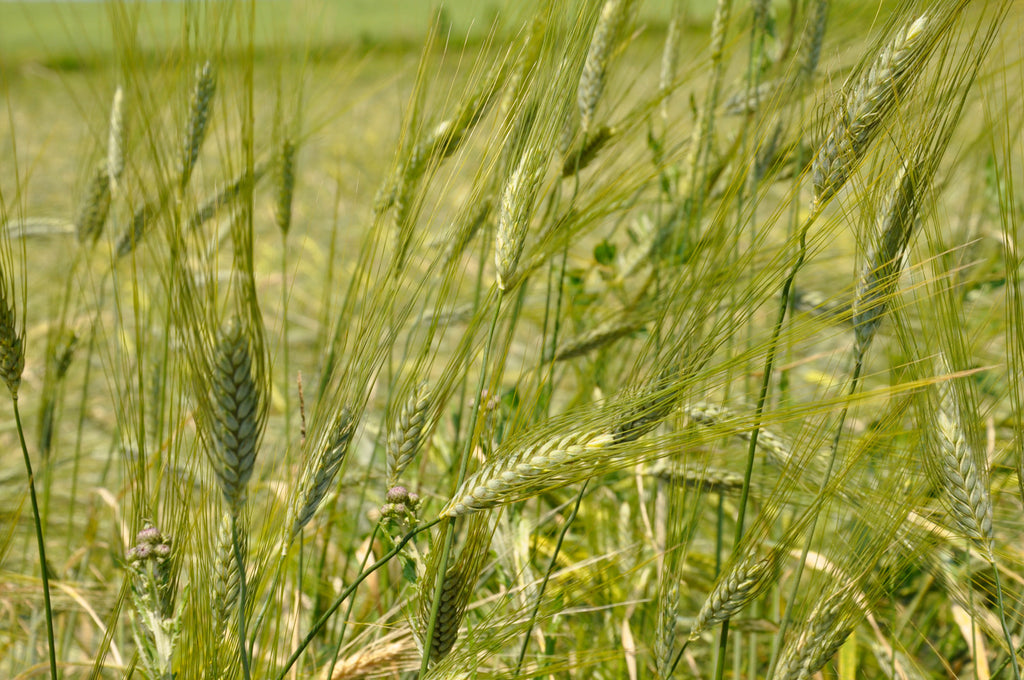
x=599, y=339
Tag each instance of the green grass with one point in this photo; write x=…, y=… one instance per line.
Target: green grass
x=719, y=475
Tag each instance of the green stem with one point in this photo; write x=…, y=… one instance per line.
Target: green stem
x=547, y=576
x=762, y=398
x=818, y=504
x=1002, y=619
x=322, y=621
x=39, y=538
x=448, y=533
x=242, y=649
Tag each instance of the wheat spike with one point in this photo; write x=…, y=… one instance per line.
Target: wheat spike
x=747, y=579
x=285, y=185
x=880, y=277
x=514, y=214
x=235, y=405
x=12, y=339
x=199, y=117
x=716, y=416
x=92, y=213
x=536, y=468
x=226, y=196
x=226, y=582
x=813, y=37
x=406, y=434
x=587, y=150
x=597, y=337
x=869, y=101
x=459, y=581
x=321, y=473
x=824, y=631
x=592, y=79
x=960, y=472
x=116, y=140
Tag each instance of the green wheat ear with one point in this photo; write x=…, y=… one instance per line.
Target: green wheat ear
x=235, y=412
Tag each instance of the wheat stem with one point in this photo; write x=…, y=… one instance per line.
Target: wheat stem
x=448, y=534
x=41, y=544
x=547, y=576
x=322, y=621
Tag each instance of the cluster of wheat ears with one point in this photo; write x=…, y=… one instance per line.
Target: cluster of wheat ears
x=566, y=405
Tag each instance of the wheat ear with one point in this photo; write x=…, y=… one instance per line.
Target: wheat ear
x=116, y=136
x=226, y=579
x=320, y=474
x=407, y=432
x=604, y=334
x=235, y=423
x=961, y=474
x=12, y=339
x=595, y=67
x=869, y=101
x=880, y=277
x=92, y=213
x=199, y=117
x=514, y=213
x=823, y=633
x=459, y=580
x=737, y=587
x=285, y=185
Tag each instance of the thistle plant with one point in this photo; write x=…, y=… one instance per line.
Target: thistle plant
x=158, y=623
